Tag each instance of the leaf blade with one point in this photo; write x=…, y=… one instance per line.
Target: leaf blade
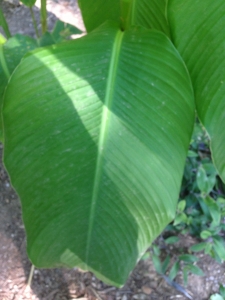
x=58, y=149
x=11, y=53
x=200, y=41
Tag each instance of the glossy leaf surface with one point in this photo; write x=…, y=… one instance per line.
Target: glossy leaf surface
x=96, y=135
x=198, y=32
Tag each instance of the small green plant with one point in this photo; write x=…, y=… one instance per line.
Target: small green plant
x=202, y=211
x=186, y=263
x=96, y=131
x=220, y=296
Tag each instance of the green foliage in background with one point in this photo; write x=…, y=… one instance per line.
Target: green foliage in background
x=200, y=213
x=96, y=132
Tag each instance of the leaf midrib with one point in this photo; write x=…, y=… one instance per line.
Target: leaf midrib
x=131, y=14
x=103, y=132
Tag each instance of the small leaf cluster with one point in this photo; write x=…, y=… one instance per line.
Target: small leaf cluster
x=200, y=213
x=201, y=210
x=168, y=268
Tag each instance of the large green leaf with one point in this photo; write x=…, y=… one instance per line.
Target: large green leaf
x=198, y=33
x=11, y=53
x=96, y=133
x=147, y=13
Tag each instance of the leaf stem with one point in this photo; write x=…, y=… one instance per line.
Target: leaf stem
x=43, y=16
x=127, y=13
x=4, y=63
x=34, y=21
x=30, y=276
x=4, y=25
